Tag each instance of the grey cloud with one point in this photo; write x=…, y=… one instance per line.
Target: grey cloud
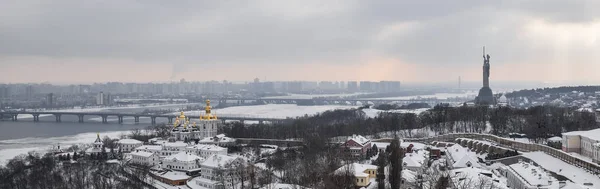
x=245, y=32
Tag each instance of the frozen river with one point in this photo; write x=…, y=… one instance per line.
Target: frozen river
x=25, y=135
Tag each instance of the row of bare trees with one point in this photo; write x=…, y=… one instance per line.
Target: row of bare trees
x=36, y=171
x=537, y=122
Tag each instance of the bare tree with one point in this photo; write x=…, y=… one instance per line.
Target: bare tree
x=238, y=168
x=342, y=178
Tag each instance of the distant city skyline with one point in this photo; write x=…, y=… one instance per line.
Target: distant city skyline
x=299, y=40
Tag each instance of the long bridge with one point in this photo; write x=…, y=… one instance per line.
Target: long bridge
x=120, y=116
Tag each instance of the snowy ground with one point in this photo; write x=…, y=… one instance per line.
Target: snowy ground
x=310, y=96
x=521, y=140
x=576, y=174
x=375, y=112
x=273, y=110
x=42, y=145
x=581, y=156
x=437, y=95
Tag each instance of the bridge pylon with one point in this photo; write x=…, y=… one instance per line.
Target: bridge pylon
x=58, y=116
x=104, y=119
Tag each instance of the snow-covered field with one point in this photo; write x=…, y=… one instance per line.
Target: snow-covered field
x=577, y=175
x=437, y=95
x=310, y=96
x=15, y=147
x=273, y=110
x=375, y=112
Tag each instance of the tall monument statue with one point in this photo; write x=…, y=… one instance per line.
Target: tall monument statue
x=486, y=69
x=485, y=97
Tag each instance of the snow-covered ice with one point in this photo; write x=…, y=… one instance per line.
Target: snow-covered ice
x=273, y=110
x=437, y=95
x=310, y=96
x=14, y=147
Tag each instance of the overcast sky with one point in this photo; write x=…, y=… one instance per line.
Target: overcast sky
x=412, y=41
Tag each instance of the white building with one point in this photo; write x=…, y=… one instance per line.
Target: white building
x=100, y=99
x=461, y=157
x=502, y=101
x=219, y=140
x=205, y=151
x=209, y=169
x=150, y=148
x=357, y=145
x=415, y=161
x=171, y=148
x=363, y=173
x=182, y=161
x=96, y=146
x=524, y=175
x=128, y=145
x=144, y=158
x=586, y=143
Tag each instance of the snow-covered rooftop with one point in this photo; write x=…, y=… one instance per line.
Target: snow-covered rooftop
x=217, y=160
x=359, y=139
x=172, y=175
x=142, y=153
x=150, y=147
x=462, y=156
x=472, y=177
x=592, y=134
x=575, y=174
x=502, y=99
x=218, y=138
x=183, y=156
x=283, y=186
x=205, y=147
x=555, y=139
x=532, y=175
x=175, y=144
x=467, y=161
x=129, y=141
x=415, y=159
x=358, y=169
x=93, y=150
